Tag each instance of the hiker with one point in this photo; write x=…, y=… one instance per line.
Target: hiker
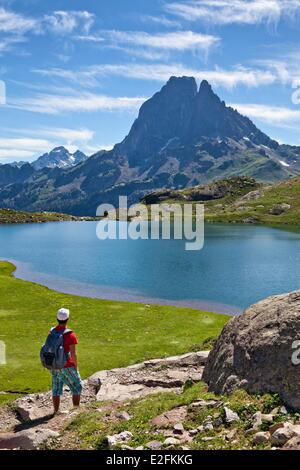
x=59, y=356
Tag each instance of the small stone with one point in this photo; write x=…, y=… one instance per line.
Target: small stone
x=283, y=435
x=171, y=441
x=217, y=422
x=207, y=439
x=283, y=410
x=139, y=448
x=261, y=438
x=208, y=426
x=178, y=428
x=257, y=420
x=275, y=426
x=230, y=435
x=269, y=418
x=123, y=416
x=154, y=445
x=170, y=418
x=117, y=438
x=193, y=432
x=230, y=416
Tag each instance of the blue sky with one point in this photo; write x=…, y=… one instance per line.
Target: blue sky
x=77, y=71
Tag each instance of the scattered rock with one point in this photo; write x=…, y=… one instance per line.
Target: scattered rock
x=29, y=439
x=253, y=195
x=122, y=416
x=257, y=420
x=283, y=435
x=154, y=445
x=254, y=351
x=250, y=220
x=170, y=418
x=230, y=416
x=261, y=438
x=124, y=436
x=292, y=444
x=154, y=376
x=171, y=441
x=193, y=432
x=275, y=426
x=279, y=209
x=178, y=428
x=205, y=404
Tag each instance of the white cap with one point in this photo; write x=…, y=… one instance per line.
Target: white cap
x=63, y=314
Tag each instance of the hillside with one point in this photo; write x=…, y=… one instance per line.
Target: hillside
x=9, y=216
x=240, y=200
x=183, y=136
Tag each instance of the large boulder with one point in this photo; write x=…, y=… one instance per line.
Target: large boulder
x=257, y=351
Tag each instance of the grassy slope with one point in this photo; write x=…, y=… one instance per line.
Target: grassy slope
x=90, y=428
x=287, y=192
x=111, y=334
x=9, y=216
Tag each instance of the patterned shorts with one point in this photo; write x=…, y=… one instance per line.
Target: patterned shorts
x=68, y=376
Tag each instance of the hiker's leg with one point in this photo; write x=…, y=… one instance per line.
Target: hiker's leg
x=57, y=389
x=56, y=403
x=73, y=380
x=76, y=400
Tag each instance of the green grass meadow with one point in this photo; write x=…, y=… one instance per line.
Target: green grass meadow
x=111, y=334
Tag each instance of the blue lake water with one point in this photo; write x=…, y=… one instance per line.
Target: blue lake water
x=238, y=265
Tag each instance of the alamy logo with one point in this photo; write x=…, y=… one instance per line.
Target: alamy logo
x=154, y=222
x=2, y=353
x=296, y=353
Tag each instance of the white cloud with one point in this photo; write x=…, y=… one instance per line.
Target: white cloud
x=84, y=102
x=160, y=21
x=177, y=41
x=14, y=23
x=66, y=22
x=34, y=143
x=162, y=72
x=235, y=11
x=273, y=115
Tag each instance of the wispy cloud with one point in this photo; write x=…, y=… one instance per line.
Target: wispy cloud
x=250, y=77
x=66, y=22
x=273, y=115
x=224, y=12
x=177, y=40
x=84, y=102
x=16, y=27
x=15, y=23
x=160, y=21
x=31, y=144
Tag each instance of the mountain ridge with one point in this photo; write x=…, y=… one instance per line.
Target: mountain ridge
x=183, y=136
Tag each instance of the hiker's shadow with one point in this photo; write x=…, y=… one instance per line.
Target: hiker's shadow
x=33, y=423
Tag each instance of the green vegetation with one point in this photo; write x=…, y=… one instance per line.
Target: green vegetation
x=9, y=216
x=90, y=428
x=229, y=202
x=111, y=334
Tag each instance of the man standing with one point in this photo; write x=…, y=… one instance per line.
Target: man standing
x=69, y=374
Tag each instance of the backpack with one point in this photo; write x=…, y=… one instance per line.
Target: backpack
x=53, y=355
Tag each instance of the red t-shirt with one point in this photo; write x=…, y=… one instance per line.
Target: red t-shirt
x=69, y=339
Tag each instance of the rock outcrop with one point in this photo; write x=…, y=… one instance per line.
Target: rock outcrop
x=154, y=376
x=258, y=351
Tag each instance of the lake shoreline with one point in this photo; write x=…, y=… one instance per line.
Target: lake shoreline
x=70, y=287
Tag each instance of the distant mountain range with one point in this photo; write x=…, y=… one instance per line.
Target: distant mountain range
x=59, y=157
x=183, y=136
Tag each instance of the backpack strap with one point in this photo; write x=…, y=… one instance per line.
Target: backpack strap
x=67, y=331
